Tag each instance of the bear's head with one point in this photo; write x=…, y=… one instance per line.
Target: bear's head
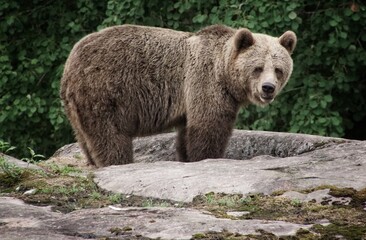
x=259, y=65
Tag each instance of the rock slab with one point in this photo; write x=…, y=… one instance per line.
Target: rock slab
x=18, y=220
x=242, y=145
x=341, y=164
x=264, y=162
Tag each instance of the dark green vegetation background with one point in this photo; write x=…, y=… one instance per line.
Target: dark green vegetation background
x=325, y=96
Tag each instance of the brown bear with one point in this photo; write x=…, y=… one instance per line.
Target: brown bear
x=129, y=81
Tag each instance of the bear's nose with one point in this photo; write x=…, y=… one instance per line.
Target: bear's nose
x=268, y=87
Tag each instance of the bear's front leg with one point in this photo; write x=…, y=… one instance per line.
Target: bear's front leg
x=207, y=140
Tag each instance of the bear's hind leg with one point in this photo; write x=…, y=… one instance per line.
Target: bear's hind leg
x=84, y=147
x=112, y=149
x=181, y=144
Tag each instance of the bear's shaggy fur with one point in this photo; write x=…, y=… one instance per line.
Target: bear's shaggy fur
x=128, y=81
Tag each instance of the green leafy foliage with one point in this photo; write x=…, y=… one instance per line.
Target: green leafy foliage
x=324, y=96
x=36, y=37
x=33, y=156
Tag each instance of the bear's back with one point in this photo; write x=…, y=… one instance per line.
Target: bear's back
x=133, y=67
x=128, y=44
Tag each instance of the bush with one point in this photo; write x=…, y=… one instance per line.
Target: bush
x=38, y=36
x=325, y=95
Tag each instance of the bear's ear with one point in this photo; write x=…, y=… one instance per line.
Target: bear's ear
x=243, y=39
x=288, y=40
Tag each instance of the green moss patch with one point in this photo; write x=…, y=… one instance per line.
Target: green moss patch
x=58, y=187
x=66, y=189
x=346, y=221
x=302, y=234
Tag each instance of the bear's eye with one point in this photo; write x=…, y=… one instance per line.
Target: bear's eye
x=258, y=70
x=279, y=72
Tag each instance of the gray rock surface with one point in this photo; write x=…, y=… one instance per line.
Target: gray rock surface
x=17, y=162
x=319, y=196
x=339, y=164
x=242, y=145
x=265, y=162
x=22, y=221
x=18, y=220
x=271, y=161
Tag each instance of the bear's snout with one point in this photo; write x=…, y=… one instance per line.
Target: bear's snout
x=267, y=92
x=268, y=88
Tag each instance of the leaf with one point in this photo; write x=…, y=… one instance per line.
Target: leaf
x=343, y=35
x=318, y=112
x=4, y=58
x=333, y=23
x=31, y=151
x=294, y=129
x=356, y=17
x=328, y=98
x=322, y=120
x=200, y=18
x=265, y=24
x=348, y=12
x=10, y=149
x=60, y=120
x=10, y=20
x=323, y=104
x=292, y=15
x=313, y=104
x=39, y=69
x=39, y=156
x=278, y=19
x=336, y=121
x=262, y=9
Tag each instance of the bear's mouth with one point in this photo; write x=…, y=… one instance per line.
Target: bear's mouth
x=266, y=99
